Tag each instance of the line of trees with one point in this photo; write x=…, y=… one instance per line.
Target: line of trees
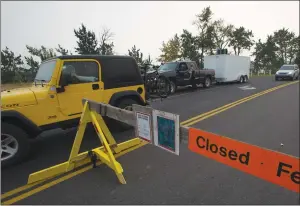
x=16, y=69
x=281, y=47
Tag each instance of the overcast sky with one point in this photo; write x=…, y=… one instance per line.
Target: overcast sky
x=145, y=24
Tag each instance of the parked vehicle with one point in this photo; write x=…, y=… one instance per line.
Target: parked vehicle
x=229, y=68
x=287, y=71
x=55, y=98
x=185, y=73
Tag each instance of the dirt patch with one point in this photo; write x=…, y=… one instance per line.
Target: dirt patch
x=14, y=86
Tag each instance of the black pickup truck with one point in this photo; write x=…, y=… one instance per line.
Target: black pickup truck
x=185, y=73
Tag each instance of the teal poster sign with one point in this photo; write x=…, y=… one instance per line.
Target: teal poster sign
x=166, y=131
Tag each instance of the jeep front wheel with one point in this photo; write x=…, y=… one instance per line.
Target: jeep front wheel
x=15, y=144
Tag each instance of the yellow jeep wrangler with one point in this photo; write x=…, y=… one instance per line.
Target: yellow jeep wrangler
x=55, y=98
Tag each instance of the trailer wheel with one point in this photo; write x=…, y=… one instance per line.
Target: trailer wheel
x=246, y=78
x=241, y=80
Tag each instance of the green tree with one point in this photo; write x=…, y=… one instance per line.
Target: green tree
x=148, y=60
x=34, y=66
x=240, y=39
x=11, y=67
x=61, y=50
x=284, y=42
x=136, y=54
x=293, y=50
x=106, y=45
x=204, y=38
x=297, y=58
x=221, y=33
x=87, y=42
x=170, y=50
x=43, y=53
x=265, y=55
x=189, y=46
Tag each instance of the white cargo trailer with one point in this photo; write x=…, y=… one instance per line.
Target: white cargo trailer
x=228, y=68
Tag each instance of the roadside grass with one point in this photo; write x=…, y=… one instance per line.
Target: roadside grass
x=261, y=75
x=14, y=86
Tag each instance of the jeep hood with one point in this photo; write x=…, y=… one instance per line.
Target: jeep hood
x=17, y=98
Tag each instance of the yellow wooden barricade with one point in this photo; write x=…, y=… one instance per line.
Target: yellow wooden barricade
x=105, y=153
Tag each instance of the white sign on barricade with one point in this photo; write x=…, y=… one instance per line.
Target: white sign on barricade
x=143, y=128
x=158, y=128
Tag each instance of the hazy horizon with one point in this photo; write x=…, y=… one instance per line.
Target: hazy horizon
x=144, y=24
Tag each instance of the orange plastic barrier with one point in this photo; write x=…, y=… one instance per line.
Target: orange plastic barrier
x=275, y=167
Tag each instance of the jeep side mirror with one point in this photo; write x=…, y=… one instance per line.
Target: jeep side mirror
x=64, y=81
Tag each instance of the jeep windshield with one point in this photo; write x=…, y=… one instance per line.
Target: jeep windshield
x=45, y=71
x=167, y=67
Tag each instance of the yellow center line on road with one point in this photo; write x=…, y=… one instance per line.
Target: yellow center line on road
x=188, y=122
x=19, y=189
x=59, y=180
x=205, y=115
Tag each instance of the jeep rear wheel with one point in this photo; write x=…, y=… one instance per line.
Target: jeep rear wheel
x=126, y=104
x=15, y=144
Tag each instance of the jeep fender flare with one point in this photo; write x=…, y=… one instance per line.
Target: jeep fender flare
x=125, y=94
x=23, y=122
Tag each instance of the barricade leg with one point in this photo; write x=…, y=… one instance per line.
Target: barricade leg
x=112, y=142
x=108, y=158
x=84, y=119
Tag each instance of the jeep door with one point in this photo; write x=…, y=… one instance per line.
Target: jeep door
x=83, y=80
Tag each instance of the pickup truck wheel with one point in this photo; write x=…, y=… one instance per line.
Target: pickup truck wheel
x=15, y=144
x=207, y=82
x=173, y=87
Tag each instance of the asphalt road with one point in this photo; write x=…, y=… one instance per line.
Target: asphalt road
x=157, y=177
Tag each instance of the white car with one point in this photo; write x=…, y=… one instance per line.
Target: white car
x=287, y=71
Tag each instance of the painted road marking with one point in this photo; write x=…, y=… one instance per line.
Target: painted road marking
x=61, y=179
x=247, y=87
x=206, y=115
x=70, y=175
